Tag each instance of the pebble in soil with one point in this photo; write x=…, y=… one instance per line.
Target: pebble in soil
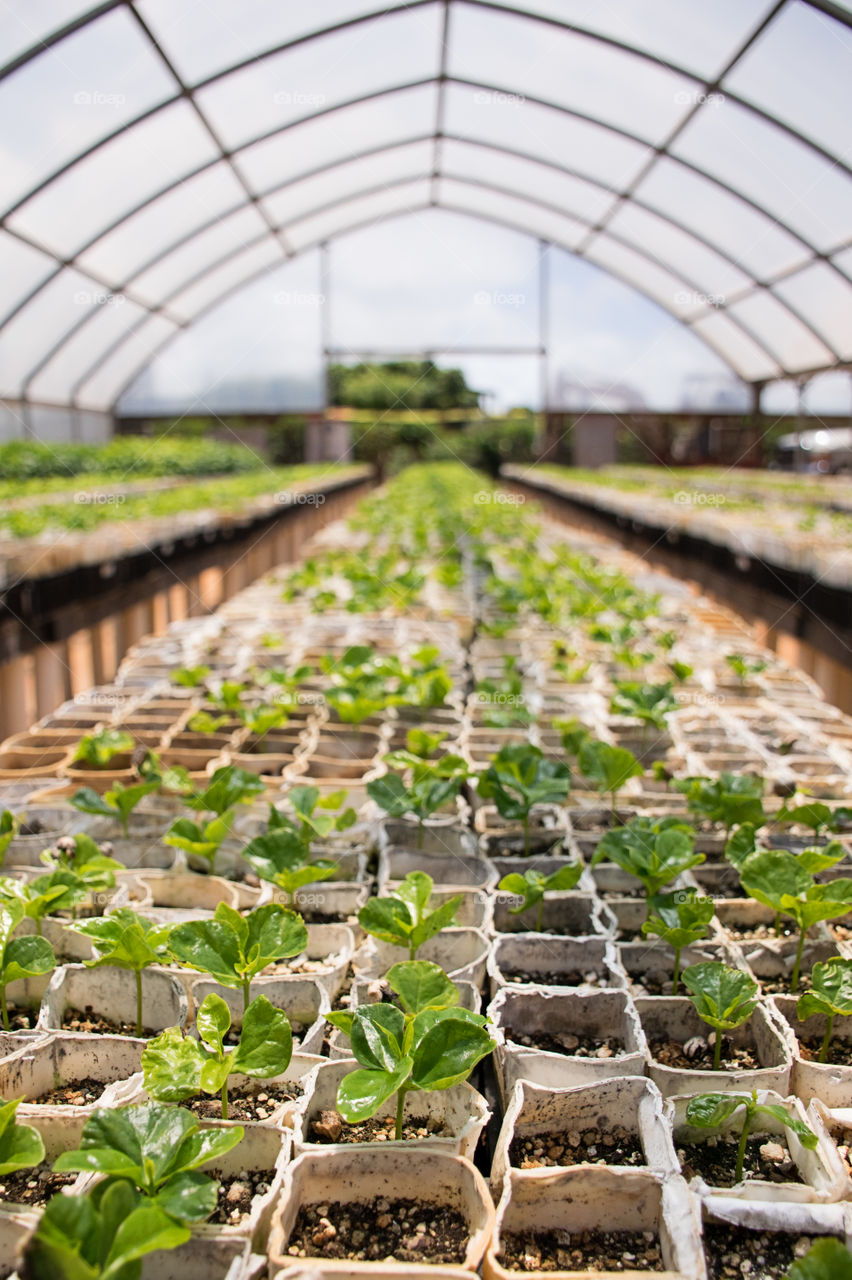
x=766, y=1157
x=22, y=1019
x=696, y=1054
x=331, y=1127
x=93, y=1024
x=758, y=932
x=581, y=1251
x=236, y=1193
x=245, y=1102
x=733, y=1253
x=33, y=1186
x=839, y=1051
x=566, y=1043
x=380, y=1230
x=82, y=1093
x=577, y=1146
x=556, y=977
x=843, y=1138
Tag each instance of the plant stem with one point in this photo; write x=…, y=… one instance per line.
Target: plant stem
x=225, y=1099
x=717, y=1051
x=139, y=1002
x=3, y=1008
x=676, y=978
x=400, y=1106
x=826, y=1040
x=38, y=925
x=526, y=834
x=794, y=981
x=612, y=796
x=246, y=993
x=741, y=1147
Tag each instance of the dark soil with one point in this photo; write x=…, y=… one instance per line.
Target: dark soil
x=22, y=1019
x=770, y=1254
x=380, y=1230
x=670, y=1053
x=582, y=1251
x=839, y=1051
x=779, y=984
x=843, y=1138
x=759, y=932
x=576, y=1146
x=248, y=1102
x=33, y=1187
x=556, y=977
x=236, y=1193
x=331, y=1127
x=715, y=1160
x=566, y=1043
x=313, y=916
x=74, y=1020
x=82, y=1093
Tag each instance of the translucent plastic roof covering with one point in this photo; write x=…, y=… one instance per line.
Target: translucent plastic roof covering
x=159, y=154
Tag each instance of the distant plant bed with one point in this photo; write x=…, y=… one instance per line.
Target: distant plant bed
x=125, y=458
x=89, y=508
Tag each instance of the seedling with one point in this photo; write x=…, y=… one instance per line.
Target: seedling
x=21, y=1145
x=830, y=995
x=814, y=814
x=96, y=750
x=229, y=695
x=744, y=668
x=190, y=677
x=159, y=1150
x=261, y=720
x=654, y=857
x=427, y=682
x=78, y=869
x=233, y=949
x=99, y=1236
x=403, y=918
x=827, y=1259
x=573, y=734
x=204, y=722
x=229, y=786
x=779, y=880
x=681, y=671
x=532, y=886
x=118, y=803
x=28, y=956
x=711, y=1110
x=281, y=858
x=420, y=745
x=428, y=1044
x=125, y=940
x=433, y=784
x=521, y=776
x=610, y=768
x=201, y=839
x=315, y=814
x=176, y=1067
x=680, y=919
x=652, y=704
x=10, y=825
x=731, y=799
x=723, y=997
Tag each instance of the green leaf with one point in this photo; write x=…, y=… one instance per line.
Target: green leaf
x=448, y=1052
x=608, y=766
x=422, y=985
x=806, y=1136
x=435, y=921
x=831, y=990
x=171, y=1066
x=723, y=996
x=377, y=1036
x=387, y=919
x=87, y=800
x=21, y=1146
x=213, y=1022
x=209, y=946
x=827, y=1259
x=711, y=1110
x=391, y=794
x=27, y=957
x=266, y=1041
x=361, y=1093
x=188, y=1197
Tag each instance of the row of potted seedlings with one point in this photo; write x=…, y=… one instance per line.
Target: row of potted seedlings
x=404, y=1028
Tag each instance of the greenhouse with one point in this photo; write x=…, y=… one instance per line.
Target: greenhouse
x=425, y=634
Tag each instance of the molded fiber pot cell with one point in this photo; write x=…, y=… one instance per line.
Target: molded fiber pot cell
x=359, y=1176
x=462, y=1110
x=830, y=1082
x=572, y=915
x=594, y=1198
x=111, y=993
x=58, y=1060
x=461, y=953
x=598, y=1014
x=461, y=871
x=633, y=1102
x=675, y=1018
x=558, y=958
x=823, y=1177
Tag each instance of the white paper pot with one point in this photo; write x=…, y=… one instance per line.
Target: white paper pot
x=632, y=1102
x=441, y=836
x=760, y=1216
x=57, y=1060
x=262, y=1149
x=204, y=1257
x=830, y=1082
x=111, y=993
x=361, y=1176
x=674, y=1018
x=459, y=871
x=653, y=961
x=538, y=953
x=591, y=1197
x=187, y=890
x=461, y=953
x=574, y=915
x=461, y=1109
x=326, y=959
x=598, y=1013
x=824, y=1180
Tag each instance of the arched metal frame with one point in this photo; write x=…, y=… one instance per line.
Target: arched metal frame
x=437, y=174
